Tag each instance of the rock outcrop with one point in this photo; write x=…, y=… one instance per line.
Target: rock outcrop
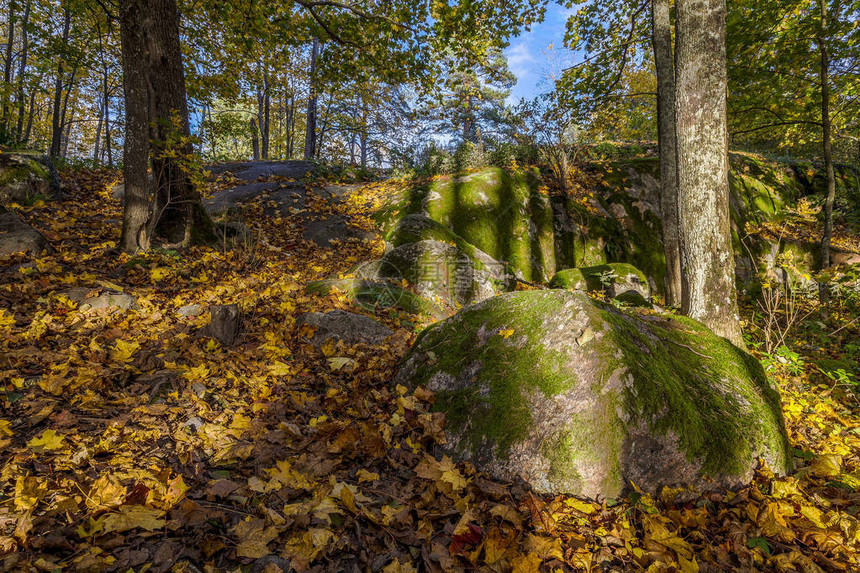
x=572, y=395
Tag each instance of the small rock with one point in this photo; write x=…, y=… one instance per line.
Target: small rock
x=194, y=423
x=105, y=299
x=346, y=326
x=199, y=389
x=189, y=310
x=225, y=324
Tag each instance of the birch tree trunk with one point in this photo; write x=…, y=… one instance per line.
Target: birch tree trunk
x=664, y=61
x=707, y=260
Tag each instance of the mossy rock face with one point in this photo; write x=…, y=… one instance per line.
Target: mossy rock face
x=504, y=214
x=415, y=228
x=614, y=279
x=378, y=295
x=575, y=396
x=26, y=177
x=438, y=271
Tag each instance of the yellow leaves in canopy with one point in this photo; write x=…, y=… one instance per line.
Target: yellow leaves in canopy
x=48, y=441
x=134, y=516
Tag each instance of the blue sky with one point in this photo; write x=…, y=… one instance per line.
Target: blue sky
x=532, y=60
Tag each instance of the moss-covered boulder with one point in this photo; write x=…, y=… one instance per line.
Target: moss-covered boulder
x=26, y=177
x=416, y=227
x=378, y=295
x=439, y=271
x=572, y=395
x=614, y=279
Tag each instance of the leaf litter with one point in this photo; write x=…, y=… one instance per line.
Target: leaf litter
x=132, y=444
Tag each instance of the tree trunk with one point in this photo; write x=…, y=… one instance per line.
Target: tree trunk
x=66, y=126
x=179, y=214
x=664, y=61
x=106, y=96
x=311, y=127
x=255, y=140
x=291, y=126
x=708, y=280
x=264, y=103
x=97, y=147
x=136, y=208
x=7, y=65
x=22, y=67
x=824, y=72
x=56, y=124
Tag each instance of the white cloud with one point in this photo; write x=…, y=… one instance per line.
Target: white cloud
x=521, y=60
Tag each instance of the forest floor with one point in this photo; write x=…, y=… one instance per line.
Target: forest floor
x=128, y=443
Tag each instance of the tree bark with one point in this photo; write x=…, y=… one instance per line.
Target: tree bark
x=661, y=41
x=136, y=213
x=106, y=96
x=7, y=65
x=830, y=198
x=708, y=280
x=179, y=214
x=56, y=123
x=22, y=67
x=255, y=140
x=311, y=127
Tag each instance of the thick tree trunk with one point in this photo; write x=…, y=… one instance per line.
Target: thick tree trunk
x=136, y=212
x=311, y=126
x=7, y=64
x=830, y=198
x=708, y=285
x=56, y=120
x=22, y=67
x=664, y=62
x=180, y=216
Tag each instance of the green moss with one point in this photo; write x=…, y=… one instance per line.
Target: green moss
x=668, y=374
x=674, y=391
x=374, y=295
x=510, y=374
x=506, y=215
x=595, y=278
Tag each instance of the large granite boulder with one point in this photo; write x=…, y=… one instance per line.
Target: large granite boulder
x=27, y=176
x=16, y=236
x=574, y=396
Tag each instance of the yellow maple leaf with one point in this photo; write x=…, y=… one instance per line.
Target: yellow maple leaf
x=133, y=517
x=124, y=351
x=507, y=332
x=50, y=440
x=159, y=273
x=7, y=319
